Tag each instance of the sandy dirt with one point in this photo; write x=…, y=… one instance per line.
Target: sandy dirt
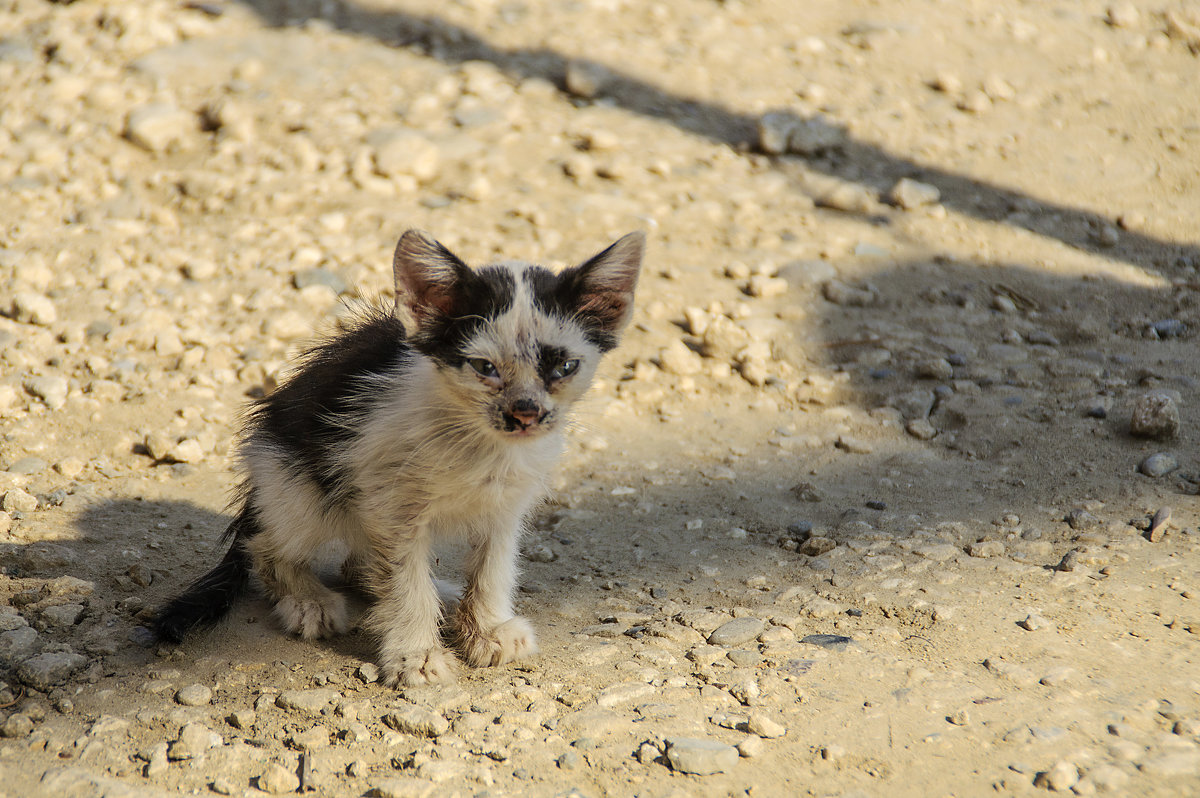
x=890, y=490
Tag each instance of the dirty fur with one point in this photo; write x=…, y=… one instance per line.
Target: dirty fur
x=439, y=418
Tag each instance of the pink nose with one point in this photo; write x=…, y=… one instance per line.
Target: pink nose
x=526, y=417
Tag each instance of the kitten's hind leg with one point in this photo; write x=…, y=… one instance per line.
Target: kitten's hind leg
x=487, y=631
x=305, y=607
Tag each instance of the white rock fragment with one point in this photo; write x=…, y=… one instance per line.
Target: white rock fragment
x=157, y=126
x=677, y=358
x=910, y=194
x=33, y=308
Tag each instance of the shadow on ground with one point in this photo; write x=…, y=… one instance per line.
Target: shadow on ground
x=453, y=44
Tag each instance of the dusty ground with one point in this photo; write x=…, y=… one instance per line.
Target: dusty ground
x=845, y=408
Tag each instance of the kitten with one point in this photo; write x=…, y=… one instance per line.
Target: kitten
x=440, y=417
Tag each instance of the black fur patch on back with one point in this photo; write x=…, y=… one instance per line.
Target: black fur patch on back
x=560, y=295
x=483, y=296
x=302, y=415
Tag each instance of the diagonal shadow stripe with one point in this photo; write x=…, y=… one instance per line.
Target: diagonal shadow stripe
x=453, y=44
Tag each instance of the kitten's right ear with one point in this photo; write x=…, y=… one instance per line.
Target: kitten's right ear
x=427, y=275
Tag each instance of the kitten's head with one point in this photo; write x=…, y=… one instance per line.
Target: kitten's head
x=515, y=344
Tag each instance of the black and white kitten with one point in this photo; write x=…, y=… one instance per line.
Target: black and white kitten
x=441, y=417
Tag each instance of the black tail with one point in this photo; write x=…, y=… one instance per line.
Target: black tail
x=212, y=596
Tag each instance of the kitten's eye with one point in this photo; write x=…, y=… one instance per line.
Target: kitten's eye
x=483, y=368
x=567, y=368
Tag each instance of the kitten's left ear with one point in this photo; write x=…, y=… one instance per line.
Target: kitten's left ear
x=427, y=278
x=604, y=284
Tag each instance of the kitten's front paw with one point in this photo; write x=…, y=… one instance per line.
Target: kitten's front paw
x=313, y=616
x=433, y=666
x=513, y=639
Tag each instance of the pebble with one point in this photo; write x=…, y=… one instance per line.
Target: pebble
x=1123, y=15
x=194, y=695
x=18, y=501
x=1169, y=328
x=46, y=671
x=157, y=126
x=910, y=194
x=52, y=390
x=32, y=308
x=623, y=693
x=736, y=632
x=921, y=429
x=278, y=780
x=848, y=197
x=417, y=721
x=1155, y=415
x=816, y=545
x=16, y=644
x=586, y=79
x=1158, y=464
x=28, y=466
x=306, y=702
x=194, y=740
x=848, y=443
x=751, y=747
x=700, y=756
x=1059, y=778
x=763, y=725
x=17, y=725
x=367, y=672
x=677, y=358
x=937, y=368
x=1032, y=622
x=1159, y=524
x=62, y=615
x=764, y=287
x=404, y=153
x=986, y=548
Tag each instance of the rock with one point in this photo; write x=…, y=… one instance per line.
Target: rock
x=937, y=368
x=623, y=693
x=764, y=287
x=854, y=445
x=28, y=466
x=62, y=615
x=1158, y=464
x=404, y=153
x=368, y=672
x=1169, y=328
x=46, y=671
x=33, y=308
x=986, y=548
x=107, y=725
x=17, y=725
x=194, y=740
x=278, y=780
x=851, y=198
x=921, y=429
x=700, y=756
x=194, y=695
x=242, y=719
x=751, y=747
x=764, y=725
x=50, y=389
x=188, y=450
x=18, y=501
x=306, y=702
x=16, y=644
x=915, y=404
x=417, y=721
x=816, y=545
x=840, y=293
x=736, y=632
x=1159, y=524
x=909, y=194
x=1155, y=415
x=157, y=126
x=1032, y=622
x=1059, y=778
x=677, y=358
